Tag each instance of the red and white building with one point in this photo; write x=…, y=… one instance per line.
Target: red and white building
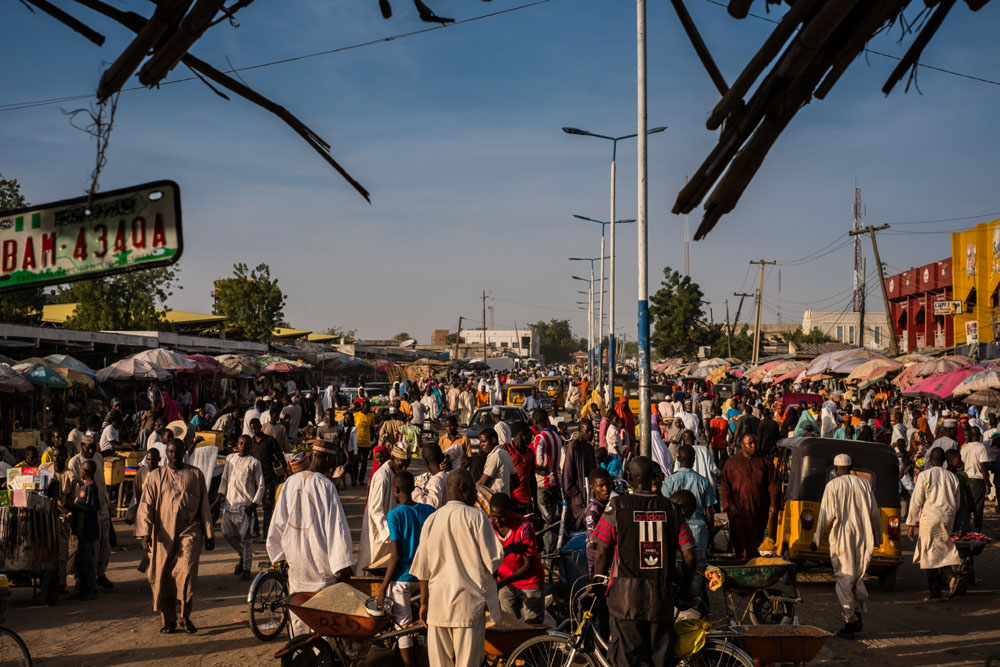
x=912, y=295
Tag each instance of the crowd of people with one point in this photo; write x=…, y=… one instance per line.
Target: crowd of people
x=470, y=532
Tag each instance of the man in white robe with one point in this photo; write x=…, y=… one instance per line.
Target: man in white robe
x=455, y=562
x=466, y=406
x=661, y=453
x=851, y=513
x=88, y=450
x=240, y=492
x=828, y=419
x=309, y=530
x=933, y=504
x=375, y=544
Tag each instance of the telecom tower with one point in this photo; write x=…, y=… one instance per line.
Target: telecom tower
x=858, y=212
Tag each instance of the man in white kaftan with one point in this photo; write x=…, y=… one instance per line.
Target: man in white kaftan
x=458, y=554
x=661, y=453
x=828, y=419
x=851, y=513
x=466, y=406
x=375, y=544
x=933, y=504
x=309, y=530
x=241, y=490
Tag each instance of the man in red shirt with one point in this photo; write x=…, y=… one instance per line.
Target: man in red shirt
x=718, y=430
x=520, y=577
x=522, y=495
x=547, y=446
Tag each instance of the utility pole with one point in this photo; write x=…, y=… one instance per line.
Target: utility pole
x=729, y=333
x=739, y=309
x=760, y=299
x=645, y=418
x=484, y=326
x=893, y=343
x=687, y=241
x=458, y=337
x=861, y=309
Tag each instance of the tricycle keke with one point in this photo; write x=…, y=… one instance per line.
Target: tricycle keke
x=805, y=465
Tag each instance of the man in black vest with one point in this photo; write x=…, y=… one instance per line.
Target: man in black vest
x=637, y=539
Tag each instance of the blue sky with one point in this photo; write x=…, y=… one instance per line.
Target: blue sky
x=456, y=134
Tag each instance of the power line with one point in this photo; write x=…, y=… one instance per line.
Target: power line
x=884, y=55
x=15, y=106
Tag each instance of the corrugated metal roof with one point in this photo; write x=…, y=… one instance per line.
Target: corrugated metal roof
x=58, y=313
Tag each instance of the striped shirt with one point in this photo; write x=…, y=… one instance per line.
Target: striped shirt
x=546, y=446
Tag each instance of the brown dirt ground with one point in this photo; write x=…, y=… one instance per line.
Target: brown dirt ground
x=120, y=627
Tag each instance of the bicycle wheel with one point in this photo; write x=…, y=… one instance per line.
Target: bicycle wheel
x=315, y=653
x=268, y=615
x=718, y=653
x=767, y=609
x=13, y=652
x=549, y=651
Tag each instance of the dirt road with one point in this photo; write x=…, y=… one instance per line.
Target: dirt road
x=120, y=628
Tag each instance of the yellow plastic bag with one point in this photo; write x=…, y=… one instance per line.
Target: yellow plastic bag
x=715, y=577
x=691, y=635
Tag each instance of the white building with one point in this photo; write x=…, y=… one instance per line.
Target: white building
x=845, y=327
x=523, y=342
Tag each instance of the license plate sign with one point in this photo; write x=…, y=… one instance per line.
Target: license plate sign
x=116, y=231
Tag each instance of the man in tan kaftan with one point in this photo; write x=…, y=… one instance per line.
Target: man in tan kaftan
x=173, y=521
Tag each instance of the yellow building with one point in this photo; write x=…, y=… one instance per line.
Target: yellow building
x=976, y=281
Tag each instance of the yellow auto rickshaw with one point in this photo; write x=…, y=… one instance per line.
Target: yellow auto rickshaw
x=554, y=388
x=656, y=394
x=804, y=467
x=517, y=394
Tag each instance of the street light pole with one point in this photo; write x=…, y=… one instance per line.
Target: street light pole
x=643, y=286
x=611, y=287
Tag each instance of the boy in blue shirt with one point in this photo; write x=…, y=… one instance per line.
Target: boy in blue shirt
x=405, y=522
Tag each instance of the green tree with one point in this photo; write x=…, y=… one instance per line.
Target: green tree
x=556, y=340
x=251, y=300
x=401, y=336
x=798, y=337
x=133, y=301
x=345, y=335
x=451, y=338
x=678, y=317
x=23, y=306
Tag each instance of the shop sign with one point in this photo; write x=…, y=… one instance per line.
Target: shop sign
x=113, y=232
x=947, y=307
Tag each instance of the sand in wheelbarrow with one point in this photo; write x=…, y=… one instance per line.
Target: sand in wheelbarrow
x=339, y=598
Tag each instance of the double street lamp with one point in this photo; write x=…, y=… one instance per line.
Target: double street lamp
x=611, y=293
x=593, y=329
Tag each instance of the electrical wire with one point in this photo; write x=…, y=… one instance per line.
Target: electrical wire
x=15, y=106
x=884, y=55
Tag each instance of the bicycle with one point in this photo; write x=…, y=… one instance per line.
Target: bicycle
x=268, y=615
x=584, y=647
x=13, y=650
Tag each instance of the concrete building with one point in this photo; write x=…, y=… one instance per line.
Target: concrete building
x=523, y=342
x=922, y=310
x=975, y=255
x=845, y=327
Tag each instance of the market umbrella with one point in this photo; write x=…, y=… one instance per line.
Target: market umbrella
x=824, y=361
x=11, y=380
x=72, y=363
x=204, y=365
x=987, y=379
x=942, y=365
x=4, y=359
x=41, y=375
x=282, y=367
x=985, y=397
x=941, y=385
x=132, y=368
x=873, y=370
x=75, y=378
x=795, y=375
x=233, y=365
x=166, y=359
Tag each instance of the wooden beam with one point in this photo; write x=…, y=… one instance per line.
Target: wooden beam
x=699, y=46
x=919, y=44
x=66, y=19
x=165, y=16
x=178, y=40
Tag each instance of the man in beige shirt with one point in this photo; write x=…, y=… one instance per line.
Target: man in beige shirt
x=455, y=562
